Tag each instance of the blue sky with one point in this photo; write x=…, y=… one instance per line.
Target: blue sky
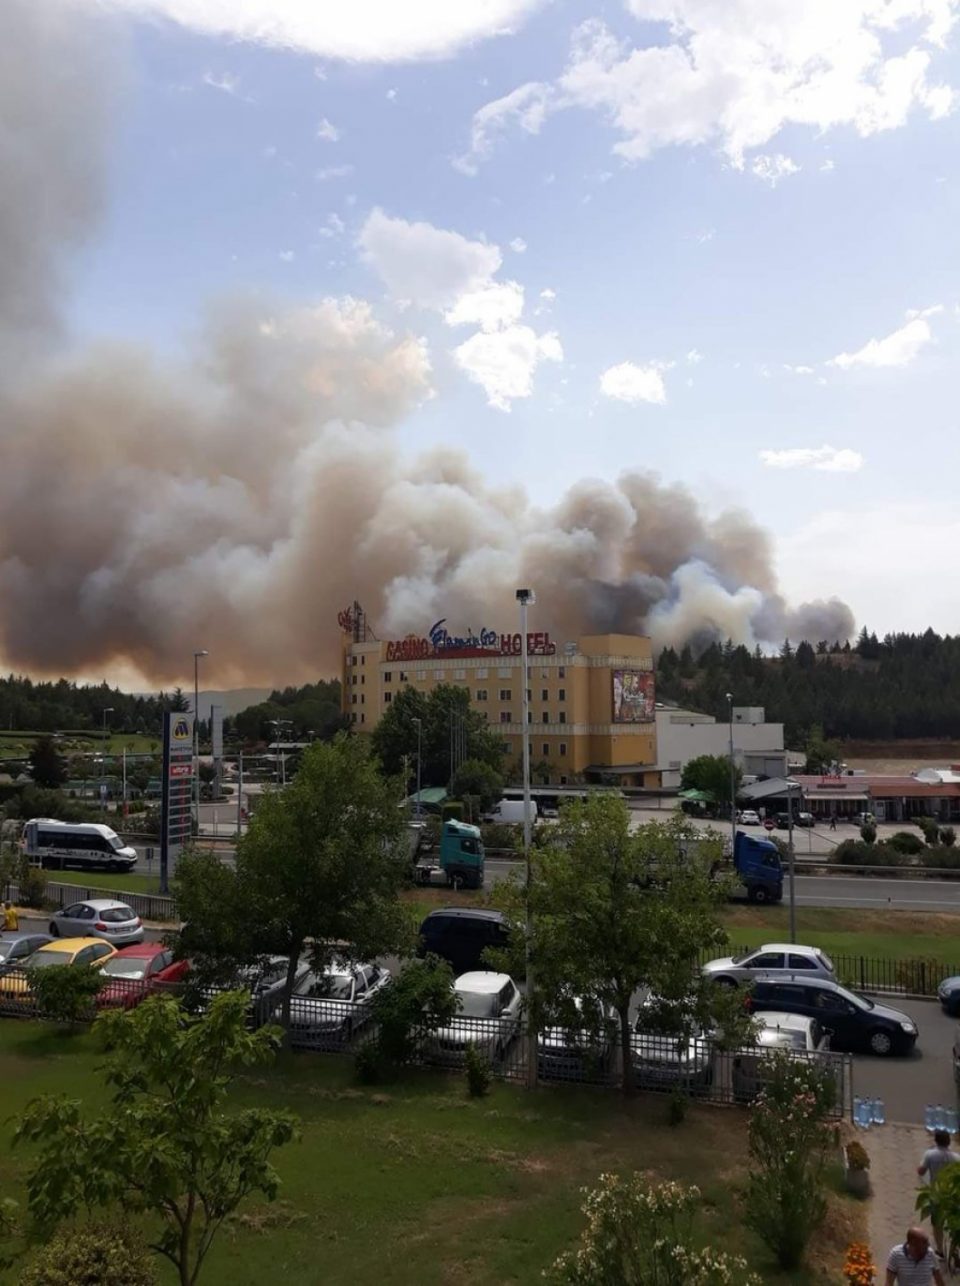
x=707, y=209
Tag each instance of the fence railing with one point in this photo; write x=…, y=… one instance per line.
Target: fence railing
x=149, y=906
x=661, y=1064
x=913, y=976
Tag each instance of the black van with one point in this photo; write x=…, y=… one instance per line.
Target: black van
x=459, y=935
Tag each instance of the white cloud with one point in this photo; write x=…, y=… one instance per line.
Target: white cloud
x=694, y=357
x=426, y=265
x=827, y=459
x=287, y=256
x=327, y=132
x=827, y=166
x=391, y=95
x=772, y=169
x=333, y=172
x=798, y=370
x=503, y=362
x=224, y=81
x=499, y=304
x=334, y=226
x=734, y=73
x=631, y=383
x=518, y=245
x=360, y=31
x=896, y=349
x=548, y=294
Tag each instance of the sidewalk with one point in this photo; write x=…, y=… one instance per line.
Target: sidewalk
x=895, y=1152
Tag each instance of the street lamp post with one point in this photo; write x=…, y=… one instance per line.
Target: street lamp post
x=419, y=723
x=792, y=788
x=526, y=598
x=196, y=732
x=733, y=784
x=106, y=710
x=103, y=758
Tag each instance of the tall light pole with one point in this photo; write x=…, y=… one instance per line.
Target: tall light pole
x=419, y=723
x=526, y=598
x=733, y=783
x=792, y=787
x=278, y=725
x=103, y=757
x=106, y=710
x=196, y=732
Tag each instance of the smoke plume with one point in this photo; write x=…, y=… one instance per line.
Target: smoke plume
x=237, y=502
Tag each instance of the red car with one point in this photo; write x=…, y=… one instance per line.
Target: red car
x=137, y=971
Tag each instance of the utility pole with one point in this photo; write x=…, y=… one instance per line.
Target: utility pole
x=419, y=723
x=526, y=598
x=791, y=856
x=196, y=732
x=733, y=783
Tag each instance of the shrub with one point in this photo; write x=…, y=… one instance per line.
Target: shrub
x=855, y=852
x=906, y=842
x=789, y=1139
x=66, y=993
x=857, y=1155
x=95, y=1255
x=929, y=827
x=501, y=835
x=419, y=1000
x=368, y=1062
x=940, y=856
x=642, y=1234
x=32, y=884
x=478, y=1072
x=868, y=833
x=948, y=836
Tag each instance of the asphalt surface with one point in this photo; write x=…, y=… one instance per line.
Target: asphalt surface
x=907, y=1084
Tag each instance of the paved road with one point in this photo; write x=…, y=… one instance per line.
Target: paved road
x=906, y=1085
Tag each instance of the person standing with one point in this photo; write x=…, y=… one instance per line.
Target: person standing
x=934, y=1160
x=913, y=1263
x=11, y=921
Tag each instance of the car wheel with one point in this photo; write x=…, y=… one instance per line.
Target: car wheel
x=456, y=881
x=881, y=1042
x=759, y=896
x=54, y=930
x=725, y=981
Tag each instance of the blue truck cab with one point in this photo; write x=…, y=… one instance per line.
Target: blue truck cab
x=459, y=862
x=759, y=868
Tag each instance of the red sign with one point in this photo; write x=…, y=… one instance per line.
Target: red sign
x=489, y=644
x=181, y=770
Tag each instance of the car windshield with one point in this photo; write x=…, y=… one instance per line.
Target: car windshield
x=117, y=915
x=119, y=967
x=783, y=1039
x=744, y=955
x=862, y=1002
x=5, y=949
x=43, y=959
x=474, y=1004
x=825, y=960
x=331, y=986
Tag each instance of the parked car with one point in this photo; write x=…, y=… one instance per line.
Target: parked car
x=780, y=1031
x=98, y=918
x=863, y=819
x=662, y=1060
x=772, y=957
x=136, y=971
x=326, y=1009
x=748, y=817
x=852, y=1021
x=16, y=948
x=948, y=993
x=460, y=935
x=488, y=1018
x=956, y=1057
x=577, y=1051
x=265, y=981
x=804, y=819
x=68, y=951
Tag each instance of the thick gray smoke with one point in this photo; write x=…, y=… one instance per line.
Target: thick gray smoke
x=238, y=503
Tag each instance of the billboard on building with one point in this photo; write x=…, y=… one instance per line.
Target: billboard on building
x=633, y=699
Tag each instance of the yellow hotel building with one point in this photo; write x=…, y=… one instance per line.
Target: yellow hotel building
x=591, y=710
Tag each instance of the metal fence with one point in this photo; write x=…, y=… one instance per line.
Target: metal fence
x=149, y=906
x=661, y=1064
x=18, y=999
x=914, y=976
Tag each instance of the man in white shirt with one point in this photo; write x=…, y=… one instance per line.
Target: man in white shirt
x=934, y=1160
x=913, y=1263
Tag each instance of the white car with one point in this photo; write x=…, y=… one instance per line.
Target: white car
x=772, y=958
x=104, y=918
x=748, y=817
x=488, y=1018
x=326, y=1009
x=794, y=1034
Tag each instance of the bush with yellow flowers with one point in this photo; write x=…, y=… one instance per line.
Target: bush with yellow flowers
x=858, y=1267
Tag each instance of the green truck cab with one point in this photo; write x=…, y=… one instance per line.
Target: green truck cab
x=458, y=863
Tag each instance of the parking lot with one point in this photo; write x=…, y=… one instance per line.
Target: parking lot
x=906, y=1085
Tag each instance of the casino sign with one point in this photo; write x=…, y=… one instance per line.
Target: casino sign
x=440, y=644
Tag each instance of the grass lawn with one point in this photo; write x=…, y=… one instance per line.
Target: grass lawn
x=16, y=745
x=123, y=882
x=415, y=1183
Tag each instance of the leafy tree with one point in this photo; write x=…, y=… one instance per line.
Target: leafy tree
x=710, y=773
x=477, y=780
x=66, y=993
x=821, y=754
x=313, y=712
x=166, y=1145
x=396, y=736
x=421, y=999
x=98, y=1254
x=614, y=911
x=47, y=766
x=178, y=702
x=320, y=868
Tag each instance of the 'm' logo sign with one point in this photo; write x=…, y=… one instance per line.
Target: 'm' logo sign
x=181, y=730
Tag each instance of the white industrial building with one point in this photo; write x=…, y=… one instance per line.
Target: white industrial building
x=683, y=735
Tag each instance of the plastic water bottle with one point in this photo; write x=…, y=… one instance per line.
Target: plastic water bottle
x=939, y=1117
x=879, y=1112
x=951, y=1121
x=866, y=1110
x=857, y=1104
x=928, y=1118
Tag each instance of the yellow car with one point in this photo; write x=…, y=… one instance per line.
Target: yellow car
x=15, y=987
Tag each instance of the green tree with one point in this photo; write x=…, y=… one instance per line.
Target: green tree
x=319, y=869
x=47, y=766
x=615, y=911
x=178, y=702
x=477, y=780
x=166, y=1145
x=66, y=993
x=822, y=754
x=710, y=773
x=396, y=737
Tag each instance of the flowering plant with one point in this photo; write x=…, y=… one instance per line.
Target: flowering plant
x=857, y=1156
x=858, y=1267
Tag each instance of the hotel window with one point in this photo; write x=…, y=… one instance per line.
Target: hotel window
x=438, y=674
x=562, y=694
x=403, y=677
x=481, y=674
x=546, y=749
x=562, y=718
x=504, y=694
x=363, y=699
x=563, y=747
x=505, y=716
x=563, y=781
x=544, y=694
x=388, y=676
x=529, y=716
x=363, y=679
x=459, y=674
x=561, y=671
x=481, y=694
x=363, y=660
x=354, y=684
x=529, y=695
x=353, y=717
x=421, y=675
x=504, y=672
x=363, y=718
x=545, y=717
x=353, y=700
x=387, y=698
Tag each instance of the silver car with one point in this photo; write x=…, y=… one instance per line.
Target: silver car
x=795, y=1034
x=104, y=918
x=666, y=1060
x=580, y=1051
x=772, y=958
x=488, y=1018
x=326, y=1009
x=15, y=948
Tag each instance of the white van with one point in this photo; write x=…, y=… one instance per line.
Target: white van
x=85, y=844
x=511, y=810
